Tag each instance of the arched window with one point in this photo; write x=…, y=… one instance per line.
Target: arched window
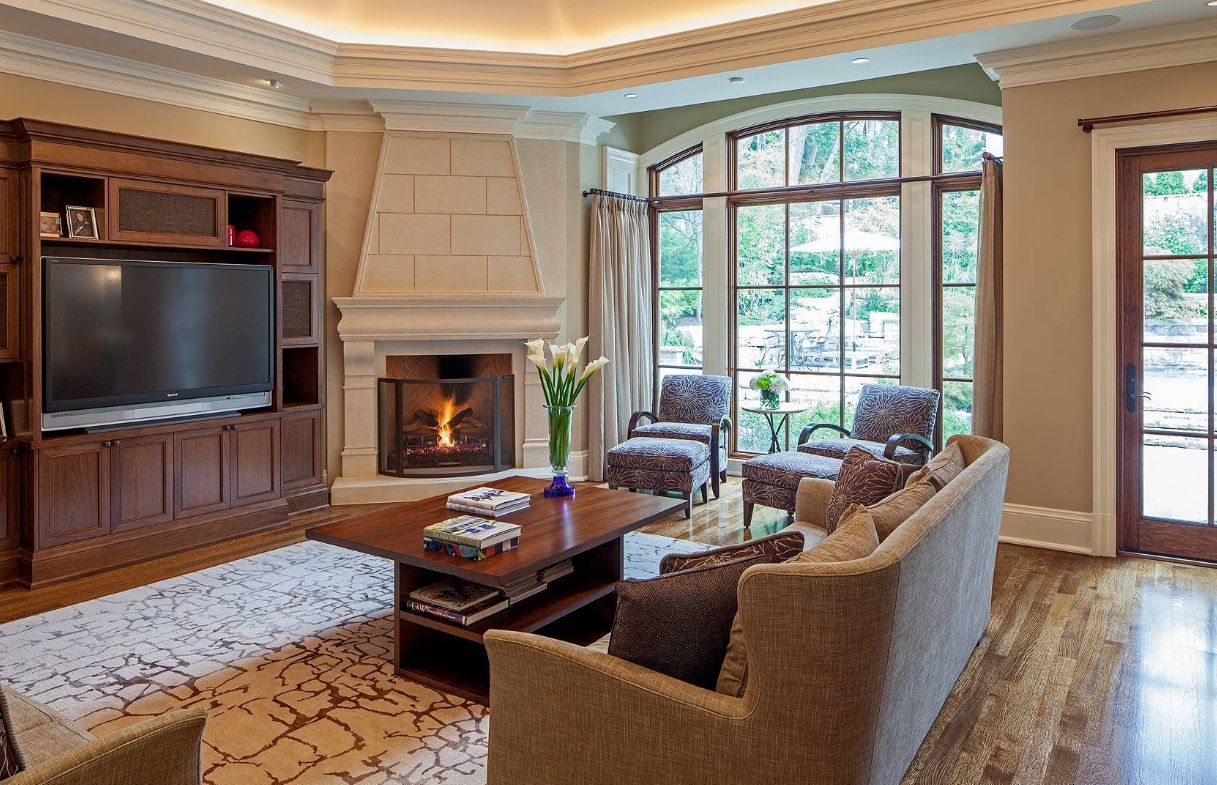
x=676, y=231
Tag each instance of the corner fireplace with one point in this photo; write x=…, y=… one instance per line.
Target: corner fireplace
x=446, y=415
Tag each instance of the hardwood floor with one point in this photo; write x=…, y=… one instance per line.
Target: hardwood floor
x=1093, y=670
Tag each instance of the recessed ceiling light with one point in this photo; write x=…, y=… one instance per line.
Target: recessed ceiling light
x=274, y=84
x=860, y=60
x=631, y=95
x=738, y=79
x=1096, y=22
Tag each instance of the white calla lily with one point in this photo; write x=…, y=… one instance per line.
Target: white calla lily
x=536, y=352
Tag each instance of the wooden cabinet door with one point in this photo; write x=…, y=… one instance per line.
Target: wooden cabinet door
x=302, y=456
x=300, y=237
x=202, y=478
x=143, y=481
x=255, y=462
x=10, y=280
x=145, y=211
x=8, y=516
x=73, y=493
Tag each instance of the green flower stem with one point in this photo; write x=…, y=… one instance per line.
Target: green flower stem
x=560, y=422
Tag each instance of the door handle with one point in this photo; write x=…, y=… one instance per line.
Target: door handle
x=1131, y=396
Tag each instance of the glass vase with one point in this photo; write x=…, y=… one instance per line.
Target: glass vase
x=560, y=421
x=771, y=399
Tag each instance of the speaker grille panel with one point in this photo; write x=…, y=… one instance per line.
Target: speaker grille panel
x=297, y=309
x=157, y=212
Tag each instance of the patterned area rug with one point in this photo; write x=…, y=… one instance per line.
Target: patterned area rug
x=289, y=650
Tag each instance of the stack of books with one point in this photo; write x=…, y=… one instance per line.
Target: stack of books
x=523, y=588
x=470, y=537
x=456, y=601
x=559, y=570
x=491, y=502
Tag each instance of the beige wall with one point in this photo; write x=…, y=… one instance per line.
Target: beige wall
x=35, y=99
x=644, y=130
x=1047, y=274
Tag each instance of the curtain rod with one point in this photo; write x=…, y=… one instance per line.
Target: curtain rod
x=1087, y=124
x=602, y=192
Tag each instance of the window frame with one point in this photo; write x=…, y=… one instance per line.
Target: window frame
x=960, y=181
x=670, y=204
x=839, y=191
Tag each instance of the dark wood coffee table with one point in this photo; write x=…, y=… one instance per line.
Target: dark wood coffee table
x=587, y=529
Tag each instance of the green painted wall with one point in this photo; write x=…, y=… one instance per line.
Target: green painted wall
x=640, y=131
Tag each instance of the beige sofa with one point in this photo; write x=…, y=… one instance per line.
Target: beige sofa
x=161, y=751
x=849, y=664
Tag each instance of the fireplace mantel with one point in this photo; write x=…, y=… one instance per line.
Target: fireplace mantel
x=440, y=316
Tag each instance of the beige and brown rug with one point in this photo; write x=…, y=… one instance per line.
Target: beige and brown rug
x=289, y=652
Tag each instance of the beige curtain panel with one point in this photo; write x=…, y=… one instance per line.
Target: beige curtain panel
x=620, y=313
x=987, y=389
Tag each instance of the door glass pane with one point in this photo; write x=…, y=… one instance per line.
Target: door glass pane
x=682, y=177
x=1174, y=300
x=872, y=240
x=760, y=245
x=815, y=329
x=680, y=325
x=872, y=149
x=815, y=243
x=960, y=235
x=822, y=396
x=680, y=251
x=761, y=160
x=815, y=153
x=958, y=331
x=1177, y=382
x=761, y=328
x=872, y=331
x=956, y=408
x=1174, y=478
x=1174, y=210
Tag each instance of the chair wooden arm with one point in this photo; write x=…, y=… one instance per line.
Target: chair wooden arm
x=810, y=429
x=895, y=441
x=636, y=419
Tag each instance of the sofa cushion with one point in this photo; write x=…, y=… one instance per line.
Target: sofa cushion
x=10, y=755
x=679, y=624
x=864, y=479
x=942, y=468
x=671, y=455
x=897, y=508
x=839, y=448
x=41, y=733
x=784, y=545
x=854, y=538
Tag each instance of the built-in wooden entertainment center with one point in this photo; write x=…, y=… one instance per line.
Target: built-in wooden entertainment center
x=74, y=502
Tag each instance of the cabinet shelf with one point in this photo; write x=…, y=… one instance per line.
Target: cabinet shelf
x=84, y=241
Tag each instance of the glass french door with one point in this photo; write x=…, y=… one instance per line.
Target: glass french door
x=1167, y=351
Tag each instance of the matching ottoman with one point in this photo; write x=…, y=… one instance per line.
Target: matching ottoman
x=652, y=464
x=773, y=480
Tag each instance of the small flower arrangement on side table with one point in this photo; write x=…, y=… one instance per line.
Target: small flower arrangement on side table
x=771, y=384
x=561, y=383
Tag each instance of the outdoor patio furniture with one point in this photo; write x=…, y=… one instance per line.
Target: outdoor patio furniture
x=692, y=406
x=661, y=465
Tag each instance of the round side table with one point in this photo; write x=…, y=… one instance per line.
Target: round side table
x=776, y=416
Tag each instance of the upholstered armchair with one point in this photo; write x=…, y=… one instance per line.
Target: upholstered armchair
x=692, y=406
x=891, y=421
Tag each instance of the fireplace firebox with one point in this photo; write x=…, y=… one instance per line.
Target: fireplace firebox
x=448, y=426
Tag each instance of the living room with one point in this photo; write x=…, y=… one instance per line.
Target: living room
x=399, y=393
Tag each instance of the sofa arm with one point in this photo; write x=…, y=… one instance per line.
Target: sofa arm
x=811, y=500
x=165, y=750
x=563, y=714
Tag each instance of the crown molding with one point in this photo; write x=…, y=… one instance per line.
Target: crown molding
x=817, y=30
x=1135, y=50
x=460, y=118
x=53, y=62
x=562, y=126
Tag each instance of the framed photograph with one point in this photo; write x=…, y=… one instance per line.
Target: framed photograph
x=50, y=225
x=3, y=423
x=82, y=222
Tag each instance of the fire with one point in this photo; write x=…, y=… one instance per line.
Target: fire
x=444, y=415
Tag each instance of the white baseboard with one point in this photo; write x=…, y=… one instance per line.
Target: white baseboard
x=1043, y=527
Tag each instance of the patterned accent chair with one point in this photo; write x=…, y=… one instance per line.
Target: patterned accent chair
x=692, y=406
x=891, y=421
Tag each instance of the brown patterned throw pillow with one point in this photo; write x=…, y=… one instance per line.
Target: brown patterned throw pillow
x=783, y=545
x=864, y=479
x=941, y=469
x=10, y=757
x=679, y=624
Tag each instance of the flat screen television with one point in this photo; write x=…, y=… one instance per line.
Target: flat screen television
x=127, y=341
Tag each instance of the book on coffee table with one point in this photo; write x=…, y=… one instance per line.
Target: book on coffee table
x=492, y=502
x=453, y=594
x=472, y=531
x=466, y=617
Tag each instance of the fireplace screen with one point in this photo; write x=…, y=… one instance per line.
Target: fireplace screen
x=446, y=427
